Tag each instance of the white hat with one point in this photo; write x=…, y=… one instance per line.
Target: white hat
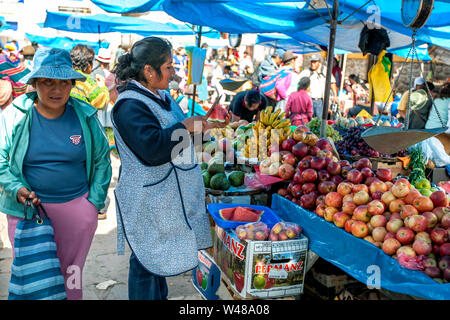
x=104, y=55
x=418, y=82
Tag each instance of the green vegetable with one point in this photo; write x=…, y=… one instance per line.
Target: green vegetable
x=314, y=126
x=416, y=164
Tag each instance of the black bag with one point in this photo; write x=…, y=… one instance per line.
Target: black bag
x=373, y=40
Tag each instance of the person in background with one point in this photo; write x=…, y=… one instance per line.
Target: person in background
x=246, y=65
x=54, y=152
x=442, y=104
x=103, y=60
x=287, y=84
x=419, y=84
x=360, y=96
x=5, y=94
x=13, y=68
x=160, y=195
x=91, y=90
x=317, y=76
x=28, y=53
x=247, y=105
x=337, y=72
x=299, y=106
x=270, y=65
x=180, y=62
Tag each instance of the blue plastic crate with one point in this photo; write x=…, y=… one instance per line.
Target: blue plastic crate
x=269, y=217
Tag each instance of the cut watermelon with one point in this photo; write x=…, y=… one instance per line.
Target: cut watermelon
x=244, y=214
x=219, y=114
x=227, y=213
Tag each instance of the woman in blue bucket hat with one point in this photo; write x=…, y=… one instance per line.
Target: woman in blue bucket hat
x=54, y=151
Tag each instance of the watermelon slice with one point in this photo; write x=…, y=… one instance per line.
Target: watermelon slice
x=218, y=114
x=227, y=213
x=244, y=214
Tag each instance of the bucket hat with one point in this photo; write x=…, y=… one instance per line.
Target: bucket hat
x=52, y=63
x=104, y=55
x=418, y=99
x=288, y=55
x=316, y=57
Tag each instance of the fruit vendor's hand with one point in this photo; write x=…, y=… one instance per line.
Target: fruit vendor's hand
x=23, y=194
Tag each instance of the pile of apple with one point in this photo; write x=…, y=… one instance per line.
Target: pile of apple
x=392, y=215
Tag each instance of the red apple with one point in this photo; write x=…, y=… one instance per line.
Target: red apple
x=360, y=229
x=307, y=201
x=390, y=235
x=347, y=197
x=440, y=212
x=344, y=163
x=355, y=176
x=320, y=200
x=444, y=262
x=431, y=219
x=407, y=250
x=309, y=175
x=423, y=235
x=318, y=163
x=298, y=178
x=389, y=184
x=404, y=235
x=376, y=207
x=282, y=192
x=286, y=171
x=371, y=180
x=400, y=190
x=396, y=205
x=344, y=188
x=340, y=218
x=379, y=233
x=412, y=194
x=439, y=236
x=337, y=179
x=378, y=221
x=288, y=158
x=420, y=246
x=288, y=144
x=296, y=190
x=320, y=210
x=390, y=246
x=324, y=144
x=348, y=207
x=384, y=174
x=300, y=150
x=377, y=195
x=334, y=168
x=314, y=150
x=308, y=187
x=394, y=225
x=445, y=221
x=444, y=249
x=423, y=204
x=369, y=239
x=363, y=163
x=304, y=164
x=439, y=199
x=333, y=199
x=432, y=272
x=395, y=215
x=387, y=198
x=429, y=261
x=361, y=197
x=348, y=225
x=367, y=173
x=326, y=187
x=405, y=181
x=360, y=187
x=407, y=211
x=324, y=175
x=377, y=186
x=329, y=213
x=345, y=170
x=361, y=213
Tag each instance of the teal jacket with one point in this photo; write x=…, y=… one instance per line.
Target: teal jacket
x=15, y=124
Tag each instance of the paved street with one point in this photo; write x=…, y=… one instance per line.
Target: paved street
x=103, y=264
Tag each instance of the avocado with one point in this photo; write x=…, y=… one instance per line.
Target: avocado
x=206, y=178
x=215, y=165
x=204, y=165
x=236, y=178
x=219, y=182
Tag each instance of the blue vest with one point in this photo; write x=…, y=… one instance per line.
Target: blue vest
x=161, y=209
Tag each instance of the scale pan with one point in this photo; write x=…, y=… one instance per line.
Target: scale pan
x=390, y=140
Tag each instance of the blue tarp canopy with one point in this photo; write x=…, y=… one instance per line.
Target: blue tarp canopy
x=421, y=53
x=293, y=17
x=101, y=23
x=64, y=42
x=357, y=257
x=4, y=25
x=285, y=42
x=129, y=6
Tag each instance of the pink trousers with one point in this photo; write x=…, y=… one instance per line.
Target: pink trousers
x=74, y=223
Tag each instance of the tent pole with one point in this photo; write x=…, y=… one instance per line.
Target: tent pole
x=330, y=55
x=344, y=65
x=194, y=92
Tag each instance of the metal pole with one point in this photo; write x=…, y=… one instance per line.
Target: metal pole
x=330, y=55
x=194, y=92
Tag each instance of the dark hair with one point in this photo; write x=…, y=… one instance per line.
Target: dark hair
x=304, y=83
x=152, y=51
x=252, y=97
x=444, y=93
x=430, y=86
x=82, y=56
x=353, y=77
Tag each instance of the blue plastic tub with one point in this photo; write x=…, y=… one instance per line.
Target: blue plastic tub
x=269, y=217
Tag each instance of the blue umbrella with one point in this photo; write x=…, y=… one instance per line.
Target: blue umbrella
x=129, y=6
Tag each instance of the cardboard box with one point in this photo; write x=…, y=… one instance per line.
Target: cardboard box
x=396, y=168
x=206, y=277
x=261, y=269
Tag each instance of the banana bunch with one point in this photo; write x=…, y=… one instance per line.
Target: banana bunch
x=275, y=120
x=220, y=133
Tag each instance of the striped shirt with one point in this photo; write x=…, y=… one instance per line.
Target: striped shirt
x=90, y=92
x=14, y=72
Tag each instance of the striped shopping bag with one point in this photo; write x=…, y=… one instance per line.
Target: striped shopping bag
x=36, y=270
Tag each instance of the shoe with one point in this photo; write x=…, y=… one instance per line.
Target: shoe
x=101, y=216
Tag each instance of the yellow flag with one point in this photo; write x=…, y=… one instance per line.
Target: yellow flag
x=379, y=79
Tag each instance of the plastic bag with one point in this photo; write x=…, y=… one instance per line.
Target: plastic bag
x=412, y=263
x=285, y=231
x=258, y=231
x=433, y=150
